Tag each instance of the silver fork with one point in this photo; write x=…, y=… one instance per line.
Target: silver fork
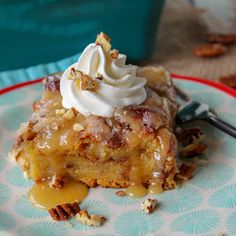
x=190, y=110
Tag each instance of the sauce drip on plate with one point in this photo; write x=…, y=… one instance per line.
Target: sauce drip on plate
x=43, y=196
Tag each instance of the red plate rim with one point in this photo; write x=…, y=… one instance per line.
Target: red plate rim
x=210, y=83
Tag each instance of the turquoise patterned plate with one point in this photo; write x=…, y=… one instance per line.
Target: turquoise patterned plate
x=205, y=205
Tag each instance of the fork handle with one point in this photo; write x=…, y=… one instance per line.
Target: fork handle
x=222, y=125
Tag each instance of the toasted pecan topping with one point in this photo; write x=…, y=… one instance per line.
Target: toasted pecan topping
x=190, y=135
x=88, y=84
x=91, y=220
x=229, y=80
x=57, y=181
x=185, y=171
x=52, y=82
x=64, y=211
x=98, y=76
x=104, y=41
x=193, y=150
x=120, y=193
x=69, y=115
x=60, y=111
x=114, y=53
x=117, y=140
x=222, y=38
x=74, y=74
x=77, y=127
x=149, y=205
x=209, y=50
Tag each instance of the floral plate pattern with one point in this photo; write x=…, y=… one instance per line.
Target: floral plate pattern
x=205, y=205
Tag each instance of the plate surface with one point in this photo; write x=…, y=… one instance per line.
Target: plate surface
x=205, y=205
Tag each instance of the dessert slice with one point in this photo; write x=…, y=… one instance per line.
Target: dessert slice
x=102, y=123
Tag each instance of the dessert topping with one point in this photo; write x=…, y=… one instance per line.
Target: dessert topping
x=74, y=74
x=120, y=193
x=104, y=41
x=52, y=82
x=149, y=205
x=90, y=220
x=69, y=115
x=87, y=83
x=98, y=76
x=101, y=81
x=77, y=127
x=185, y=171
x=60, y=111
x=193, y=150
x=114, y=53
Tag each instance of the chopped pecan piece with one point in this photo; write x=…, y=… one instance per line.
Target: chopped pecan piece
x=74, y=74
x=60, y=111
x=193, y=150
x=209, y=50
x=120, y=193
x=52, y=82
x=91, y=220
x=64, y=211
x=190, y=135
x=148, y=206
x=77, y=127
x=229, y=80
x=116, y=141
x=69, y=115
x=185, y=172
x=88, y=84
x=222, y=38
x=57, y=181
x=98, y=76
x=114, y=53
x=104, y=41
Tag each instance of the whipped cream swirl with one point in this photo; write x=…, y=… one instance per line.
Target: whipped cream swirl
x=119, y=86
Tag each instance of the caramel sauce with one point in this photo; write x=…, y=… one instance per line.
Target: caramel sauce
x=43, y=196
x=155, y=188
x=136, y=190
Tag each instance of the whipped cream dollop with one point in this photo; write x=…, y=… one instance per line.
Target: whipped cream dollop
x=119, y=86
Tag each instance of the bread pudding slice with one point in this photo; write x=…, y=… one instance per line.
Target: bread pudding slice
x=135, y=145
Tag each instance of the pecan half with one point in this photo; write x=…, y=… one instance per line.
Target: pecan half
x=209, y=50
x=64, y=211
x=193, y=150
x=189, y=135
x=222, y=38
x=229, y=80
x=185, y=172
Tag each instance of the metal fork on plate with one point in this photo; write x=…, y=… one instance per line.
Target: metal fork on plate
x=190, y=110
